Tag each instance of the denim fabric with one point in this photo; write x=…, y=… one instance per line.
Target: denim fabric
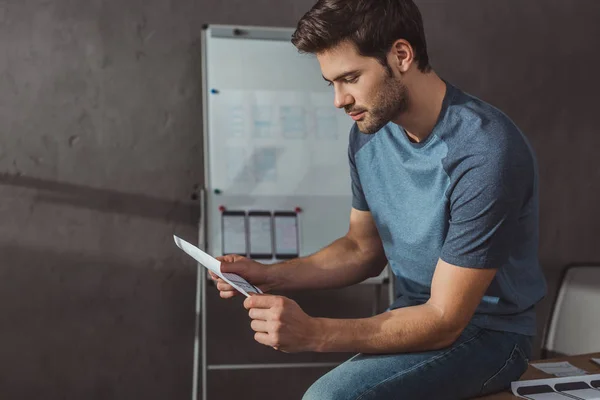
x=480, y=362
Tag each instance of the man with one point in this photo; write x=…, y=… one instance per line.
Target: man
x=444, y=190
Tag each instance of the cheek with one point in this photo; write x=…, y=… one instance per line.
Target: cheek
x=370, y=96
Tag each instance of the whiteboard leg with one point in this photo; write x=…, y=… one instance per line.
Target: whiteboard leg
x=202, y=275
x=197, y=322
x=377, y=302
x=391, y=286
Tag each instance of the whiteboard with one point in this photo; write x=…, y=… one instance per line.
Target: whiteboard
x=273, y=139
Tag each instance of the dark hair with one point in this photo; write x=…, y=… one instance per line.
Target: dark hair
x=372, y=25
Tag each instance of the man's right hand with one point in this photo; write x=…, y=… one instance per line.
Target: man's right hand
x=252, y=271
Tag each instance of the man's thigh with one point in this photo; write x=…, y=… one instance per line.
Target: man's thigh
x=479, y=362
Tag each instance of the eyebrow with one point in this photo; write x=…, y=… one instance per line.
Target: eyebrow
x=343, y=75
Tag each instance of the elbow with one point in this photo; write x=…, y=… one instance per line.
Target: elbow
x=448, y=329
x=378, y=264
x=376, y=270
x=443, y=339
x=447, y=338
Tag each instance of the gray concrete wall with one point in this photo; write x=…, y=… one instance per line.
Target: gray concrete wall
x=100, y=152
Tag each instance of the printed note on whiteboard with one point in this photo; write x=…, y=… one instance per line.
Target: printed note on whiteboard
x=286, y=235
x=260, y=234
x=234, y=232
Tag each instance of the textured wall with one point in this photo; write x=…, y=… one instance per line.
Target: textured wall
x=536, y=61
x=100, y=150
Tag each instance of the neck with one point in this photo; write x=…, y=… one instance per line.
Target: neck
x=425, y=96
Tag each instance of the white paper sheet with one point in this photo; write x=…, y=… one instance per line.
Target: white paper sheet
x=286, y=235
x=234, y=234
x=585, y=394
x=552, y=382
x=261, y=236
x=214, y=265
x=596, y=360
x=546, y=396
x=559, y=369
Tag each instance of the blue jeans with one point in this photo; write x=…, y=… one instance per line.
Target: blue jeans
x=480, y=362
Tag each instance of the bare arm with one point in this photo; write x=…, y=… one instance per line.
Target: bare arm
x=349, y=260
x=455, y=294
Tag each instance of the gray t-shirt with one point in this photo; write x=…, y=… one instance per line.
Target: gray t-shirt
x=467, y=194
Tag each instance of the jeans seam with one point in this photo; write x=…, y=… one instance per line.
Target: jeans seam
x=422, y=363
x=516, y=349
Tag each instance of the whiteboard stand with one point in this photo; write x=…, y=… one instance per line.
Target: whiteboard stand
x=386, y=277
x=263, y=102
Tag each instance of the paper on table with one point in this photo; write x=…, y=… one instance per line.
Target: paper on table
x=559, y=369
x=596, y=360
x=584, y=394
x=545, y=389
x=546, y=396
x=215, y=266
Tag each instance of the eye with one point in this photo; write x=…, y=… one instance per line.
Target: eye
x=351, y=80
x=329, y=83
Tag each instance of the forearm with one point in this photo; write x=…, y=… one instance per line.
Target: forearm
x=418, y=328
x=342, y=263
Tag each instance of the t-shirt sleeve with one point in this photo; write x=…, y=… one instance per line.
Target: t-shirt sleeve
x=485, y=205
x=359, y=201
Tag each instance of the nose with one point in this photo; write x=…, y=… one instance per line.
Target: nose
x=342, y=98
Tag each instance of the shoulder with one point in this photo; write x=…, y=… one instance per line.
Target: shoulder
x=480, y=135
x=357, y=139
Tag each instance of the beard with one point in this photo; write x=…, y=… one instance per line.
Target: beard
x=391, y=100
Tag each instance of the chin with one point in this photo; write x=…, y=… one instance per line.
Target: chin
x=366, y=128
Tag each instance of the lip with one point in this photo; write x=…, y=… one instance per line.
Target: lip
x=357, y=116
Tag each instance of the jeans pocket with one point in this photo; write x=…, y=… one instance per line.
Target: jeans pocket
x=513, y=368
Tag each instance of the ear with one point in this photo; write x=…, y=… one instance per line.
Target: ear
x=401, y=56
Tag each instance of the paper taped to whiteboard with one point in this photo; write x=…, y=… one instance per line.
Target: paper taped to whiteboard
x=234, y=232
x=260, y=235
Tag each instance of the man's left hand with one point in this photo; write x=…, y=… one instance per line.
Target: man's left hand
x=280, y=323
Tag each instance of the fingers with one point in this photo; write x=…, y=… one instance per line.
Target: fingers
x=264, y=301
x=259, y=313
x=230, y=258
x=264, y=338
x=234, y=264
x=228, y=294
x=258, y=325
x=226, y=291
x=224, y=286
x=234, y=267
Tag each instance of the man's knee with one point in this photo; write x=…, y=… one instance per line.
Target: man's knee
x=327, y=388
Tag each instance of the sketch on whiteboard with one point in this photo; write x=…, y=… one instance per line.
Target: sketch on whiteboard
x=271, y=142
x=236, y=121
x=326, y=121
x=263, y=120
x=265, y=164
x=293, y=122
x=237, y=168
